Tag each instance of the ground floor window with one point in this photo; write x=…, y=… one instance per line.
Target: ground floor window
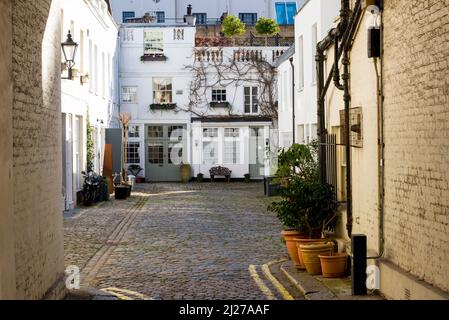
x=133, y=153
x=175, y=153
x=231, y=152
x=156, y=153
x=210, y=152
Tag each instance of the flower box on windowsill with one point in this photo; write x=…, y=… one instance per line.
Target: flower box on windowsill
x=163, y=106
x=222, y=104
x=153, y=57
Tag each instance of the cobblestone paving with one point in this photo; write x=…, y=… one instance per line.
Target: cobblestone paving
x=188, y=241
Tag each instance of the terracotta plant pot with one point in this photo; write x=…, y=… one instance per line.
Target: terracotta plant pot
x=289, y=237
x=310, y=253
x=299, y=242
x=185, y=172
x=333, y=266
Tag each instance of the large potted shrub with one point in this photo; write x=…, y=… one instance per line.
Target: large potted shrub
x=307, y=206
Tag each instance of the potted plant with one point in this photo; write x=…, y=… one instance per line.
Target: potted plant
x=267, y=27
x=185, y=171
x=232, y=26
x=311, y=253
x=308, y=204
x=294, y=227
x=200, y=177
x=247, y=178
x=121, y=192
x=333, y=265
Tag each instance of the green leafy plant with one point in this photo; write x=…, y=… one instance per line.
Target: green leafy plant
x=299, y=160
x=232, y=26
x=200, y=177
x=247, y=178
x=90, y=145
x=307, y=205
x=267, y=26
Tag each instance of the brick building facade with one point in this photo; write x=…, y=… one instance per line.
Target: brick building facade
x=31, y=233
x=413, y=69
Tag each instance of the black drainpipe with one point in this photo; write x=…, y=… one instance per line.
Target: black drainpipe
x=320, y=58
x=344, y=33
x=293, y=100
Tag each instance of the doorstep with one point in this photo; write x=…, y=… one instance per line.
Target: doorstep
x=319, y=288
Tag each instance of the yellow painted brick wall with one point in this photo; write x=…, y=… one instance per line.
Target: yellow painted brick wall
x=37, y=147
x=7, y=267
x=417, y=137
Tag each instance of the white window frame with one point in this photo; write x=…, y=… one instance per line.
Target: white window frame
x=157, y=83
x=219, y=92
x=301, y=63
x=153, y=42
x=134, y=131
x=136, y=152
x=232, y=135
x=251, y=101
x=122, y=94
x=210, y=136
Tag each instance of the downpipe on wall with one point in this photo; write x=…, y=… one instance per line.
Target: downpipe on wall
x=381, y=147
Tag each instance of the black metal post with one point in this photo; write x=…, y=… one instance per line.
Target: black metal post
x=359, y=264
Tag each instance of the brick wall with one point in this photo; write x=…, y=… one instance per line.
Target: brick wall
x=416, y=66
x=7, y=267
x=37, y=147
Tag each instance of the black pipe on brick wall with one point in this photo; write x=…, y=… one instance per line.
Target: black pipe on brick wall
x=344, y=34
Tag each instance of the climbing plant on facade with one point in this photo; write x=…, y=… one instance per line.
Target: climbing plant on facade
x=90, y=145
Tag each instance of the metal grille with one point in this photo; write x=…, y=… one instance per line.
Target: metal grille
x=331, y=160
x=356, y=127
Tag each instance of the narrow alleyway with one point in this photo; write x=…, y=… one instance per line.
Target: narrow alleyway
x=176, y=241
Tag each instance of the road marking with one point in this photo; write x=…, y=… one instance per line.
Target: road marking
x=124, y=294
x=279, y=287
x=266, y=291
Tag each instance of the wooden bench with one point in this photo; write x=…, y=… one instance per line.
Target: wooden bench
x=220, y=171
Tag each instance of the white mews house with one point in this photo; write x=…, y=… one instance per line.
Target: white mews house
x=154, y=83
x=205, y=106
x=91, y=93
x=312, y=23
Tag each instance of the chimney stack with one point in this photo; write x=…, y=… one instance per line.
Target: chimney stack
x=189, y=18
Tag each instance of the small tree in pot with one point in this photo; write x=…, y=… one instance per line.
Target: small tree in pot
x=307, y=206
x=267, y=27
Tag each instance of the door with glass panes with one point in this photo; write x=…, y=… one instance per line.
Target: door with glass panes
x=165, y=151
x=257, y=152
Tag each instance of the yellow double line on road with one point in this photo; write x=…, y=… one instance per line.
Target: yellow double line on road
x=124, y=294
x=259, y=282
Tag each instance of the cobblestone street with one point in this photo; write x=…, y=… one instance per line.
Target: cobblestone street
x=176, y=241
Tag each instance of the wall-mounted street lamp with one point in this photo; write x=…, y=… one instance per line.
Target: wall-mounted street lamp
x=69, y=48
x=373, y=24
